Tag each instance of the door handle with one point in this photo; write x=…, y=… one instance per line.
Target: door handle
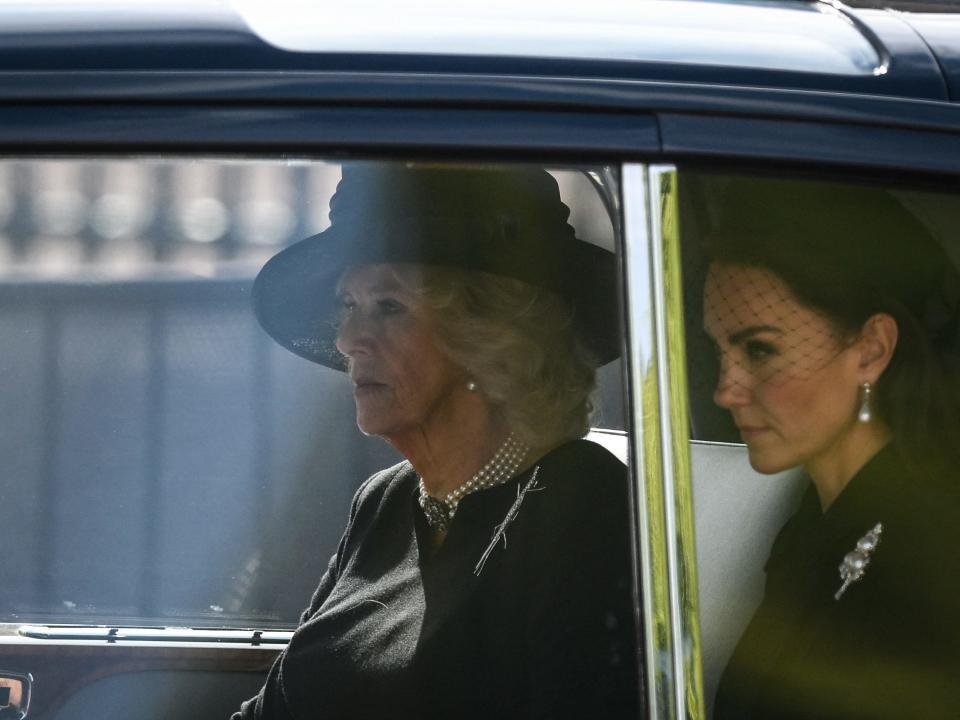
x=15, y=690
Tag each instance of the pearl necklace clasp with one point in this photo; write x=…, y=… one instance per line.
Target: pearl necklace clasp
x=501, y=467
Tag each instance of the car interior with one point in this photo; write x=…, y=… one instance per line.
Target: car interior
x=172, y=468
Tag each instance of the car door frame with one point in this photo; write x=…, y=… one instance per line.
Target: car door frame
x=633, y=124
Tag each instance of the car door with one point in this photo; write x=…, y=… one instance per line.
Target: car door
x=163, y=458
x=731, y=512
x=177, y=482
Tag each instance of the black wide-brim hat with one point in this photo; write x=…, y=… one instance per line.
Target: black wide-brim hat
x=501, y=220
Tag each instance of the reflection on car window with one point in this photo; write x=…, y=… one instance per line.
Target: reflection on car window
x=823, y=335
x=167, y=462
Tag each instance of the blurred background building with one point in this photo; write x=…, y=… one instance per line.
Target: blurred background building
x=163, y=460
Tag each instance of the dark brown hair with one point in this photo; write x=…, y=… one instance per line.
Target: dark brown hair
x=851, y=252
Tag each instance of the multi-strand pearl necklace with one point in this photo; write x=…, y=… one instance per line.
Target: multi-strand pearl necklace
x=500, y=468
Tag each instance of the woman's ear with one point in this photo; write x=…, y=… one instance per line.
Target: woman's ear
x=876, y=343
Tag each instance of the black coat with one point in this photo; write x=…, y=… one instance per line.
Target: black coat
x=890, y=646
x=546, y=629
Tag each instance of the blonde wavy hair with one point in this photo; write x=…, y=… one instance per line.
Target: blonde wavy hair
x=518, y=342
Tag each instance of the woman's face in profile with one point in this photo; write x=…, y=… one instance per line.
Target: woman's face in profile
x=786, y=374
x=401, y=379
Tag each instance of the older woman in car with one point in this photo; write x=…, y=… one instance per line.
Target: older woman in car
x=836, y=332
x=488, y=574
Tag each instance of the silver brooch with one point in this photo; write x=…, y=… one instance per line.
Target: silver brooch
x=855, y=563
x=500, y=532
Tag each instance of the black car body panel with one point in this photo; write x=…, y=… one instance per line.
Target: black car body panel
x=206, y=80
x=212, y=38
x=942, y=33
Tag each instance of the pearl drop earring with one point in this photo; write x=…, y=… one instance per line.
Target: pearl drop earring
x=865, y=414
x=471, y=386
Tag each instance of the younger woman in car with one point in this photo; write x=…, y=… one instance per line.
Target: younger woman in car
x=834, y=314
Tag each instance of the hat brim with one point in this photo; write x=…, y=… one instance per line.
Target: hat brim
x=503, y=220
x=294, y=295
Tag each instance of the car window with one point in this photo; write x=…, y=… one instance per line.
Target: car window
x=822, y=332
x=168, y=463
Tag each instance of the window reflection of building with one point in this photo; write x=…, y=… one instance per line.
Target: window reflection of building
x=165, y=460
x=125, y=218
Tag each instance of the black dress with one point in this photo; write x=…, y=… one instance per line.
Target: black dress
x=889, y=647
x=545, y=630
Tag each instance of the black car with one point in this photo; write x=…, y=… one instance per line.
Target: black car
x=174, y=483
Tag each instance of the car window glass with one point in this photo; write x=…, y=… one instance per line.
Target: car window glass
x=167, y=463
x=796, y=462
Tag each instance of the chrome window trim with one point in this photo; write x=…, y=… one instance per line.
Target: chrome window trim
x=659, y=444
x=638, y=314
x=120, y=634
x=675, y=433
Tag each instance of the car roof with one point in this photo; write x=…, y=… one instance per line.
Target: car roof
x=942, y=33
x=799, y=44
